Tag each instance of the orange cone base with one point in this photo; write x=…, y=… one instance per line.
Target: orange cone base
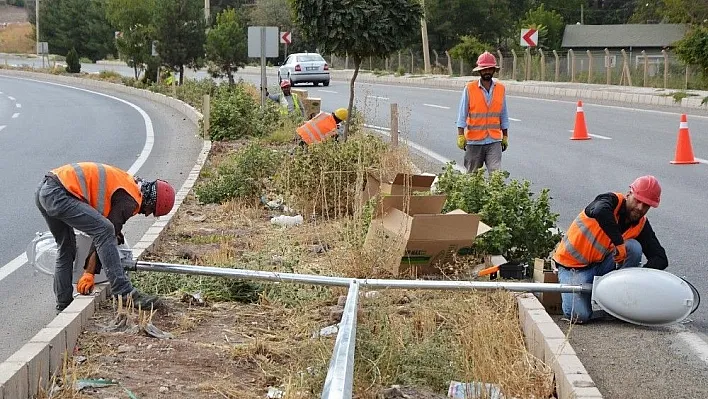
x=580, y=138
x=684, y=162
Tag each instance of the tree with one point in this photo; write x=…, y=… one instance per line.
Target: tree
x=362, y=29
x=79, y=24
x=469, y=49
x=693, y=48
x=179, y=28
x=670, y=11
x=132, y=18
x=551, y=24
x=226, y=45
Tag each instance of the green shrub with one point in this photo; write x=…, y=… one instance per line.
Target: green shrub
x=244, y=175
x=322, y=178
x=73, y=65
x=519, y=221
x=192, y=91
x=235, y=114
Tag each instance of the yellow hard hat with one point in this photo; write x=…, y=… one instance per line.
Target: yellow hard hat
x=341, y=114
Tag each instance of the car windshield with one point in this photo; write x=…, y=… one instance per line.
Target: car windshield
x=310, y=57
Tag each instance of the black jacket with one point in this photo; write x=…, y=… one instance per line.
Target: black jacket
x=602, y=209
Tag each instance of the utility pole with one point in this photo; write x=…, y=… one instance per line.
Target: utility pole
x=36, y=23
x=424, y=33
x=582, y=15
x=206, y=11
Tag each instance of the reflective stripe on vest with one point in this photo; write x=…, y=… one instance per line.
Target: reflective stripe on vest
x=284, y=104
x=484, y=120
x=318, y=128
x=95, y=184
x=586, y=243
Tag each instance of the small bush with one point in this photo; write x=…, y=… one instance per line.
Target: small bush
x=73, y=65
x=245, y=175
x=519, y=222
x=192, y=91
x=235, y=113
x=322, y=178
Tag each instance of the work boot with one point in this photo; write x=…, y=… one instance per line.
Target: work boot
x=141, y=300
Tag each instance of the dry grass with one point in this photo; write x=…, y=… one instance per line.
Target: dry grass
x=17, y=38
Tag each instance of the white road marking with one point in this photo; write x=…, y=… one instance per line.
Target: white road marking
x=515, y=120
x=21, y=260
x=596, y=136
x=436, y=106
x=2, y=127
x=328, y=91
x=701, y=160
x=378, y=98
x=15, y=115
x=694, y=341
x=18, y=105
x=11, y=98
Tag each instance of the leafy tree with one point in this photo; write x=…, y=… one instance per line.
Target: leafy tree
x=132, y=18
x=364, y=28
x=670, y=11
x=179, y=28
x=79, y=24
x=226, y=45
x=693, y=48
x=550, y=24
x=468, y=49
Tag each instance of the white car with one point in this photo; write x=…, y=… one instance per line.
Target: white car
x=304, y=68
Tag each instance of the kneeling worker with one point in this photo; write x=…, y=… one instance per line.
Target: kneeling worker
x=322, y=126
x=611, y=233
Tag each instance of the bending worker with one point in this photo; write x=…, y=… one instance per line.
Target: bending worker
x=97, y=199
x=482, y=118
x=322, y=126
x=289, y=101
x=610, y=233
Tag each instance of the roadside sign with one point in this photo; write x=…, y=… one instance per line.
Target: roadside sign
x=285, y=38
x=43, y=48
x=529, y=37
x=272, y=34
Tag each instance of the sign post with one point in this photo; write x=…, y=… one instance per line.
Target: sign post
x=262, y=43
x=529, y=37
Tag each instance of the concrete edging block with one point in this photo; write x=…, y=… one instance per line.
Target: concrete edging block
x=44, y=354
x=545, y=340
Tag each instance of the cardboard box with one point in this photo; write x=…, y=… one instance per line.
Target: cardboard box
x=417, y=242
x=302, y=93
x=401, y=184
x=550, y=300
x=312, y=106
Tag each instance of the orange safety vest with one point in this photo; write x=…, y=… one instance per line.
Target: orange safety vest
x=318, y=128
x=95, y=183
x=586, y=242
x=484, y=120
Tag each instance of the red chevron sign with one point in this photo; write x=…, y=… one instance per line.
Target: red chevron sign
x=529, y=37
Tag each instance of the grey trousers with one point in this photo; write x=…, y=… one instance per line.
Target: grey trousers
x=477, y=156
x=64, y=213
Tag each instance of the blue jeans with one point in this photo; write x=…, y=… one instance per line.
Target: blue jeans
x=576, y=306
x=64, y=213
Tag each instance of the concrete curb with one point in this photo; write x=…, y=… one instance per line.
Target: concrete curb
x=547, y=342
x=34, y=364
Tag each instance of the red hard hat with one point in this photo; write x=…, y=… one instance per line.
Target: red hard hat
x=285, y=83
x=165, y=198
x=486, y=60
x=647, y=190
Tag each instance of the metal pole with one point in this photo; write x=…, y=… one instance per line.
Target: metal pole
x=264, y=84
x=345, y=281
x=340, y=376
x=206, y=11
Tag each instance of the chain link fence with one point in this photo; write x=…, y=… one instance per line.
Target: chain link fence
x=660, y=69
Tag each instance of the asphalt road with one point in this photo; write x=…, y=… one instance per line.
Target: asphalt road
x=43, y=126
x=625, y=361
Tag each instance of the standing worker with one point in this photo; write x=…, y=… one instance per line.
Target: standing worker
x=97, y=199
x=289, y=102
x=482, y=119
x=610, y=233
x=322, y=126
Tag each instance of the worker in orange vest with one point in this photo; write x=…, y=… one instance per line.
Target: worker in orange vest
x=483, y=119
x=322, y=126
x=611, y=232
x=97, y=199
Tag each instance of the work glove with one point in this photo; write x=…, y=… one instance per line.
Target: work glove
x=85, y=284
x=620, y=253
x=505, y=143
x=461, y=141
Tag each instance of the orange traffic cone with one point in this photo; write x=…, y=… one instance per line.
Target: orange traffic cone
x=580, y=132
x=684, y=150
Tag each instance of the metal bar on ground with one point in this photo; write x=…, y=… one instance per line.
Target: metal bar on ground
x=340, y=375
x=345, y=281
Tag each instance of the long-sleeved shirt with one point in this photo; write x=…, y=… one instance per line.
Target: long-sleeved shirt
x=463, y=110
x=290, y=101
x=602, y=210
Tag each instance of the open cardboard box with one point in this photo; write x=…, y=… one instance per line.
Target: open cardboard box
x=401, y=184
x=417, y=242
x=550, y=300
